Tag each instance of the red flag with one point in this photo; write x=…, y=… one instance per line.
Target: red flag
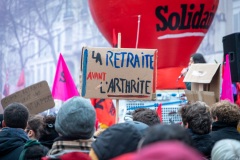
x=21, y=81
x=63, y=85
x=238, y=93
x=227, y=92
x=105, y=110
x=114, y=39
x=6, y=89
x=159, y=111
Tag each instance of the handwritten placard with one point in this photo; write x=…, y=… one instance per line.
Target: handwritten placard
x=118, y=73
x=37, y=98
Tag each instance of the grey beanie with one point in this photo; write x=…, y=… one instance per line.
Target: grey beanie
x=76, y=119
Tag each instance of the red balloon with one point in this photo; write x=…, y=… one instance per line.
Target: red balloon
x=176, y=28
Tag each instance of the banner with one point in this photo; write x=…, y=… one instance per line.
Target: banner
x=37, y=98
x=114, y=73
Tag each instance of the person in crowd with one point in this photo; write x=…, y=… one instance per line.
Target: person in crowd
x=34, y=127
x=146, y=115
x=75, y=123
x=194, y=59
x=13, y=137
x=162, y=141
x=33, y=150
x=226, y=149
x=49, y=133
x=1, y=119
x=165, y=132
x=102, y=127
x=226, y=116
x=118, y=139
x=68, y=156
x=196, y=117
x=164, y=150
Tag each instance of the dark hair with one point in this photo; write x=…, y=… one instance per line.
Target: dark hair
x=198, y=58
x=36, y=124
x=1, y=119
x=165, y=132
x=33, y=150
x=197, y=116
x=16, y=115
x=146, y=115
x=48, y=133
x=36, y=152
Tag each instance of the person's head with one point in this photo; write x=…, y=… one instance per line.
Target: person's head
x=197, y=117
x=165, y=132
x=15, y=116
x=118, y=139
x=1, y=119
x=146, y=115
x=168, y=150
x=226, y=112
x=49, y=133
x=226, y=149
x=33, y=150
x=196, y=58
x=76, y=119
x=34, y=127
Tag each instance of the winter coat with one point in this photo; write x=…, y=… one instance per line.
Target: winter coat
x=12, y=142
x=203, y=143
x=221, y=131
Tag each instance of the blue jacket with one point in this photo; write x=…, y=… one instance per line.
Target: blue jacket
x=12, y=141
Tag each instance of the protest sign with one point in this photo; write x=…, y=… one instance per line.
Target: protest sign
x=37, y=98
x=118, y=73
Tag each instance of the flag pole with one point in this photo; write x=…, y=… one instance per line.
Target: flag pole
x=138, y=29
x=117, y=100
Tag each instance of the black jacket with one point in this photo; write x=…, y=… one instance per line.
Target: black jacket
x=221, y=131
x=12, y=141
x=203, y=143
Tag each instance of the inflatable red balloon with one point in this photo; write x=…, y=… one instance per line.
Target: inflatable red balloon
x=176, y=28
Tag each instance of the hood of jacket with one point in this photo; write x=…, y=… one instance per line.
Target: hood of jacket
x=11, y=138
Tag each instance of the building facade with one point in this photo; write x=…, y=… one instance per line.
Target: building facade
x=34, y=33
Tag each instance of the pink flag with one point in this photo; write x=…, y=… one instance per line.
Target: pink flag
x=63, y=85
x=227, y=93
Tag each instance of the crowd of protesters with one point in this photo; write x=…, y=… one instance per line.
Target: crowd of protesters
x=207, y=132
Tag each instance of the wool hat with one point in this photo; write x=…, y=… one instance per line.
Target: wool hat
x=76, y=119
x=118, y=139
x=140, y=126
x=168, y=150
